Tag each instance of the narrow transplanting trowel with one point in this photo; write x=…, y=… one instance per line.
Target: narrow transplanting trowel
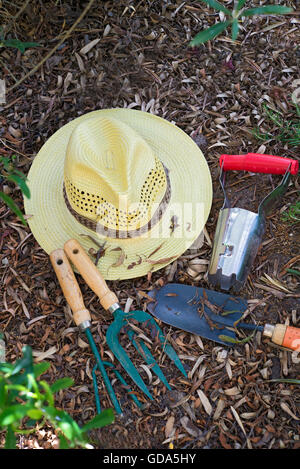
x=212, y=315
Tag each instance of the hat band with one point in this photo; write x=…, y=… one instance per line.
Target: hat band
x=122, y=234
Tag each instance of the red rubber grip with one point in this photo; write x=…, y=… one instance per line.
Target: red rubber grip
x=257, y=163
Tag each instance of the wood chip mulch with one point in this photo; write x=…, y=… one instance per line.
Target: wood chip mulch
x=136, y=55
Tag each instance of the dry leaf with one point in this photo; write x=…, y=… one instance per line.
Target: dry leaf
x=228, y=369
x=144, y=295
x=20, y=280
x=190, y=427
x=106, y=30
x=146, y=368
x=237, y=418
x=160, y=261
x=120, y=259
x=128, y=304
x=80, y=62
x=82, y=344
x=89, y=46
x=286, y=409
x=223, y=441
x=232, y=391
x=42, y=355
x=169, y=426
x=25, y=310
x=141, y=335
x=155, y=250
x=205, y=402
x=275, y=283
x=133, y=264
x=161, y=414
x=220, y=407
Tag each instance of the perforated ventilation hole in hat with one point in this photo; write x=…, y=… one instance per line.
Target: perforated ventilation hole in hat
x=97, y=208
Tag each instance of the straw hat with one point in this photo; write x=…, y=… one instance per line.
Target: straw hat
x=123, y=177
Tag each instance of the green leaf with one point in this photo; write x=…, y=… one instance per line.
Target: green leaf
x=69, y=428
x=19, y=44
x=105, y=418
x=232, y=311
x=294, y=271
x=6, y=367
x=2, y=394
x=267, y=10
x=40, y=368
x=217, y=6
x=18, y=387
x=25, y=362
x=283, y=380
x=5, y=161
x=209, y=33
x=10, y=440
x=21, y=183
x=48, y=393
x=11, y=204
x=13, y=414
x=61, y=384
x=30, y=423
x=63, y=442
x=35, y=414
x=234, y=30
x=240, y=4
x=62, y=420
x=227, y=338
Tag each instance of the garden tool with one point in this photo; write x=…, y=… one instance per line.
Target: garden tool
x=82, y=319
x=239, y=232
x=109, y=302
x=213, y=315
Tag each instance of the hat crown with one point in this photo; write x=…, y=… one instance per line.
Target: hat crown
x=111, y=174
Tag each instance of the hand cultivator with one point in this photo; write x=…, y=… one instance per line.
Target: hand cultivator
x=82, y=319
x=109, y=302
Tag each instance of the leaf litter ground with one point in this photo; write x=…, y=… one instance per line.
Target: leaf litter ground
x=137, y=56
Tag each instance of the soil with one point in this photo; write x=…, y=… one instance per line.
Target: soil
x=215, y=93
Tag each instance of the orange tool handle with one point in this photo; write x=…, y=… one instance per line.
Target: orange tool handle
x=287, y=336
x=291, y=338
x=90, y=273
x=69, y=286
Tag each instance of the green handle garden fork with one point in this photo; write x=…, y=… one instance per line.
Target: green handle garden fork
x=109, y=302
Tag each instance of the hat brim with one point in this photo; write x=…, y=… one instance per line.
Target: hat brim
x=191, y=193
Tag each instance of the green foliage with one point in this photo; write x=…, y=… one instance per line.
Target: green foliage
x=286, y=131
x=21, y=46
x=233, y=21
x=293, y=271
x=231, y=340
x=292, y=215
x=26, y=401
x=9, y=173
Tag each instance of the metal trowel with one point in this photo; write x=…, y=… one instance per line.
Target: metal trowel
x=182, y=306
x=213, y=315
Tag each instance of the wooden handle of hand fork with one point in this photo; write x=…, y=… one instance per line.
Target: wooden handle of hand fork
x=69, y=286
x=90, y=273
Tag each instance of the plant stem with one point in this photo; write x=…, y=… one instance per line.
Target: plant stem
x=54, y=48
